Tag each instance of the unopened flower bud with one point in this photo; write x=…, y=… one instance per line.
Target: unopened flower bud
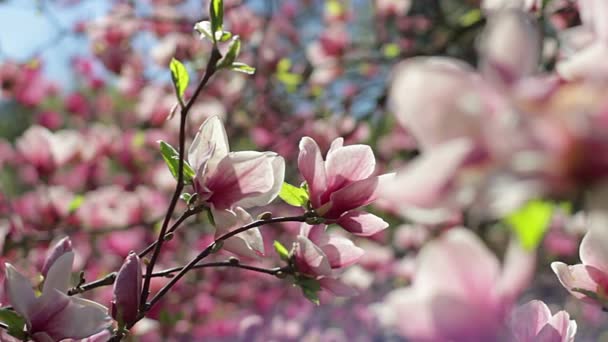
x=127, y=290
x=62, y=247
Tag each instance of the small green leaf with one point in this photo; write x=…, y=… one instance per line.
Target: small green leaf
x=470, y=18
x=75, y=203
x=292, y=195
x=310, y=288
x=232, y=54
x=530, y=222
x=242, y=67
x=14, y=322
x=171, y=157
x=186, y=197
x=281, y=250
x=225, y=36
x=391, y=50
x=216, y=13
x=180, y=78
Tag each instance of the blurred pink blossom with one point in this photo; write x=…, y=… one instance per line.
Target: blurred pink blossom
x=533, y=322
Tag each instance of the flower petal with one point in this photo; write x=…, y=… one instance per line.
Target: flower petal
x=62, y=247
x=210, y=144
x=515, y=32
x=340, y=251
x=576, y=276
x=248, y=243
x=312, y=168
x=528, y=319
x=355, y=195
x=362, y=223
x=310, y=258
x=58, y=276
x=19, y=291
x=278, y=175
x=425, y=181
x=80, y=319
x=585, y=63
x=348, y=164
x=593, y=250
x=559, y=328
x=517, y=272
x=238, y=176
x=451, y=256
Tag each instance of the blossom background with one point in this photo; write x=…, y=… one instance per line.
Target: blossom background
x=86, y=94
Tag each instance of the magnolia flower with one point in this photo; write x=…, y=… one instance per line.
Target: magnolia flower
x=224, y=179
x=127, y=291
x=588, y=281
x=54, y=316
x=459, y=291
x=586, y=46
x=496, y=5
x=515, y=32
x=426, y=189
x=230, y=181
x=318, y=253
x=533, y=322
x=342, y=183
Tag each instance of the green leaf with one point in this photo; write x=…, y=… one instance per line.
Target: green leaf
x=185, y=197
x=391, y=50
x=293, y=195
x=232, y=54
x=242, y=67
x=14, y=322
x=530, y=222
x=216, y=13
x=180, y=78
x=281, y=250
x=171, y=157
x=470, y=18
x=75, y=203
x=310, y=288
x=225, y=36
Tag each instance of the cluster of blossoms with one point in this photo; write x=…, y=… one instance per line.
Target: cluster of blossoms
x=464, y=165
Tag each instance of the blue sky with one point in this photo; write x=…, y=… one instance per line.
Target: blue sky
x=30, y=27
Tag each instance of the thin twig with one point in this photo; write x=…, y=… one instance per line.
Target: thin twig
x=229, y=263
x=213, y=245
x=107, y=280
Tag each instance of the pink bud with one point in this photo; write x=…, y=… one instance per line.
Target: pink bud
x=127, y=289
x=62, y=247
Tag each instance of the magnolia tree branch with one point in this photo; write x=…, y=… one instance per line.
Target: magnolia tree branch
x=275, y=271
x=111, y=277
x=212, y=247
x=211, y=69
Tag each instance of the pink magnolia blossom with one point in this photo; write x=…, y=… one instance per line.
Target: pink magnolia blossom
x=318, y=253
x=229, y=181
x=342, y=183
x=533, y=322
x=496, y=5
x=63, y=246
x=588, y=281
x=586, y=46
x=54, y=316
x=127, y=290
x=459, y=291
